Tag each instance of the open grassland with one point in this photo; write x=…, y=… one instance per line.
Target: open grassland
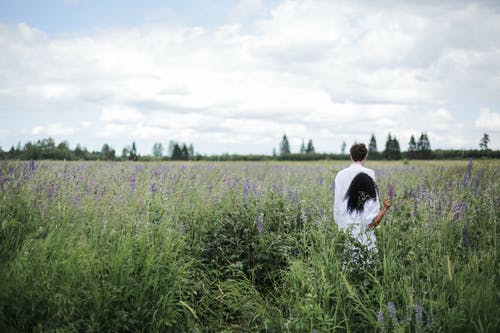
x=237, y=247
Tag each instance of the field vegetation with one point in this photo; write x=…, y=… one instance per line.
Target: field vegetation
x=244, y=247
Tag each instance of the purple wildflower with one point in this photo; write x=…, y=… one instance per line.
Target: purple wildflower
x=418, y=316
x=295, y=199
x=464, y=180
x=246, y=189
x=381, y=320
x=469, y=168
x=392, y=311
x=260, y=222
x=50, y=192
x=390, y=191
x=478, y=180
x=153, y=188
x=132, y=182
x=459, y=210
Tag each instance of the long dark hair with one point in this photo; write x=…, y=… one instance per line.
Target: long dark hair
x=362, y=189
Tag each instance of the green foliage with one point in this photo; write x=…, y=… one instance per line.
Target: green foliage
x=392, y=149
x=244, y=247
x=284, y=146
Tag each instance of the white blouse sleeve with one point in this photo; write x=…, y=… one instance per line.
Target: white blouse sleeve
x=370, y=211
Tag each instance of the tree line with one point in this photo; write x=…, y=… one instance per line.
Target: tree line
x=417, y=149
x=47, y=149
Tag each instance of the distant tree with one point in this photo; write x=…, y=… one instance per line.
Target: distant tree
x=176, y=152
x=392, y=148
x=133, y=153
x=108, y=153
x=158, y=150
x=274, y=152
x=184, y=152
x=191, y=151
x=12, y=153
x=343, y=147
x=284, y=146
x=412, y=147
x=302, y=147
x=423, y=147
x=62, y=151
x=126, y=152
x=423, y=143
x=483, y=144
x=310, y=147
x=372, y=147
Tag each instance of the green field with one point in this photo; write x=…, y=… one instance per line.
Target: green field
x=244, y=247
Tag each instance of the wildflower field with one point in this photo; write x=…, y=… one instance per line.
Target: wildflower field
x=244, y=247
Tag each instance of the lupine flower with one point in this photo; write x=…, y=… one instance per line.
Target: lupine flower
x=469, y=168
x=478, y=180
x=390, y=191
x=295, y=199
x=392, y=311
x=246, y=189
x=50, y=192
x=153, y=188
x=132, y=183
x=381, y=320
x=260, y=222
x=459, y=210
x=418, y=316
x=464, y=179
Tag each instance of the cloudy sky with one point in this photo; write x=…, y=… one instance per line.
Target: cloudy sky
x=234, y=76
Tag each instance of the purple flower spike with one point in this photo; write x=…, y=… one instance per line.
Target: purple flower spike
x=459, y=210
x=390, y=191
x=381, y=320
x=392, y=311
x=246, y=188
x=418, y=316
x=260, y=222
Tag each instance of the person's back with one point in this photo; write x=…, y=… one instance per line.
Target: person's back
x=356, y=221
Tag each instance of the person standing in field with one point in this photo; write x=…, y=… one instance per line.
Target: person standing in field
x=356, y=206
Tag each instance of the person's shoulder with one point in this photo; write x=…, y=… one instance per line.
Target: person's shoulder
x=342, y=172
x=369, y=171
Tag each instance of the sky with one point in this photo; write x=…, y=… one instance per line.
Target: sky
x=235, y=76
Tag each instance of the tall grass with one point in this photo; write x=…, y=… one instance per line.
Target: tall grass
x=244, y=247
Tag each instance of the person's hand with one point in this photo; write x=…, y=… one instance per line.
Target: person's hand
x=387, y=203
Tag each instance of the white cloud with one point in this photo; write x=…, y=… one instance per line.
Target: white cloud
x=56, y=129
x=114, y=130
x=86, y=124
x=246, y=8
x=120, y=114
x=326, y=70
x=488, y=120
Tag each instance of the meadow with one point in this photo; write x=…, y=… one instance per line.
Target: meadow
x=244, y=247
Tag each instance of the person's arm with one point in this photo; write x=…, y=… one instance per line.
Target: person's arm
x=378, y=218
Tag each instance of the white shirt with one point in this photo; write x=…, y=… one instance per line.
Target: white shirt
x=357, y=223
